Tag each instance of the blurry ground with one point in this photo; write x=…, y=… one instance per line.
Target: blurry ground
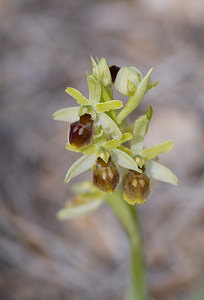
x=45, y=46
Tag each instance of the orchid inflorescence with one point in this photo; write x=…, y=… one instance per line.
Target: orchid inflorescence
x=109, y=147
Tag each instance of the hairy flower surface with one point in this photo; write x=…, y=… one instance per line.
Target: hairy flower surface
x=98, y=129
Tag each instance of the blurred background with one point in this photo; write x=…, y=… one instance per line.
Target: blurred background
x=45, y=46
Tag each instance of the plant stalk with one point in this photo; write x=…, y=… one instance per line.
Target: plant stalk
x=128, y=217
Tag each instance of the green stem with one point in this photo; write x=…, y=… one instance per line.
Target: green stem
x=127, y=215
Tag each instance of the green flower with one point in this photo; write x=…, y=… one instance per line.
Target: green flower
x=98, y=132
x=147, y=158
x=93, y=107
x=104, y=150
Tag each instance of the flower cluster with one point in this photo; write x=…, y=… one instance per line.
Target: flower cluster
x=112, y=149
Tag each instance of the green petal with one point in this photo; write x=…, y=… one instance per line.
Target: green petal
x=91, y=149
x=140, y=130
x=124, y=160
x=108, y=105
x=112, y=144
x=104, y=72
x=108, y=125
x=77, y=96
x=157, y=149
x=68, y=114
x=81, y=165
x=76, y=208
x=134, y=100
x=160, y=172
x=94, y=90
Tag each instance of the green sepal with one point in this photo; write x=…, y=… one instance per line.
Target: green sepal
x=77, y=96
x=108, y=105
x=68, y=114
x=134, y=100
x=94, y=90
x=153, y=151
x=160, y=172
x=108, y=125
x=95, y=68
x=104, y=72
x=83, y=164
x=124, y=160
x=140, y=130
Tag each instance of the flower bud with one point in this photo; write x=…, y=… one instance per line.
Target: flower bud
x=81, y=132
x=105, y=176
x=114, y=71
x=136, y=187
x=127, y=80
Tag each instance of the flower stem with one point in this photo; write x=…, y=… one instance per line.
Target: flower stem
x=127, y=215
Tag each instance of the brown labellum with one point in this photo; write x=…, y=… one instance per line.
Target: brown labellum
x=105, y=176
x=81, y=132
x=114, y=71
x=136, y=187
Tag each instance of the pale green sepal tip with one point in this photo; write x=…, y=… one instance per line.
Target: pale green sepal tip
x=160, y=172
x=68, y=114
x=94, y=90
x=77, y=96
x=108, y=105
x=83, y=164
x=134, y=100
x=78, y=210
x=157, y=149
x=124, y=160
